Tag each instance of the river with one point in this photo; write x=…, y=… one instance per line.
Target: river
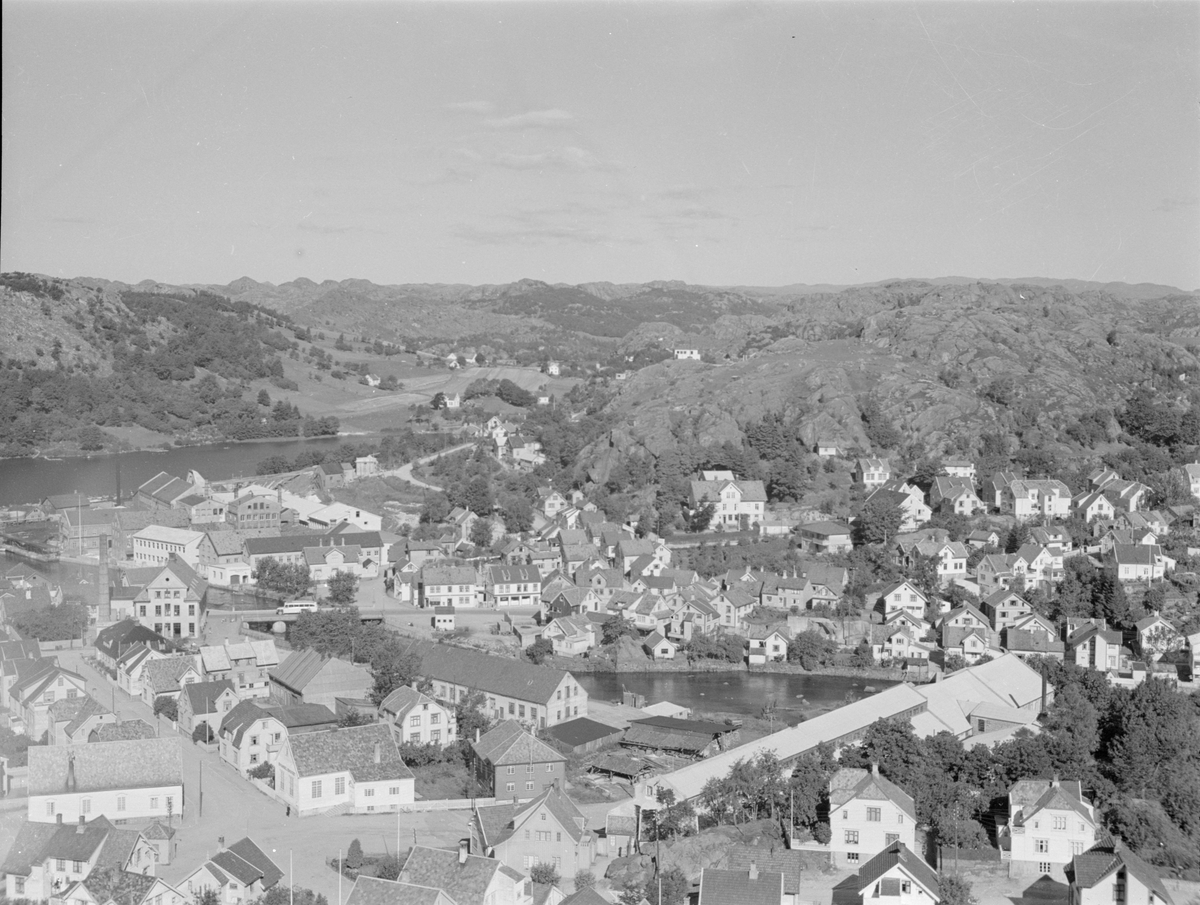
x=743, y=693
x=32, y=480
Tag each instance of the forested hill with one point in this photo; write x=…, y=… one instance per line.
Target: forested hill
x=80, y=356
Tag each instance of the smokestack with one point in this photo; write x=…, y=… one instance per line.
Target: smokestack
x=476, y=733
x=464, y=849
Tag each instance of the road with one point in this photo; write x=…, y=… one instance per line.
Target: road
x=233, y=808
x=404, y=472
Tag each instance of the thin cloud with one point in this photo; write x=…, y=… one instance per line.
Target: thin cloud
x=481, y=107
x=543, y=227
x=553, y=118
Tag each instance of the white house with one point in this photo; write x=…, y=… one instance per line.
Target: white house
x=417, y=719
x=897, y=876
x=357, y=768
x=731, y=500
x=903, y=595
x=766, y=644
x=134, y=780
x=1049, y=823
x=1026, y=499
x=687, y=354
x=867, y=813
x=1109, y=873
x=872, y=472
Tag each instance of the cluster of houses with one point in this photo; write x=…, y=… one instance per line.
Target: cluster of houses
x=222, y=530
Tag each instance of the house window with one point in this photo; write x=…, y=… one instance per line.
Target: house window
x=905, y=887
x=20, y=885
x=1043, y=867
x=889, y=838
x=845, y=815
x=60, y=864
x=1041, y=845
x=873, y=815
x=120, y=802
x=153, y=803
x=511, y=787
x=393, y=790
x=1119, y=890
x=512, y=770
x=529, y=769
x=852, y=837
x=316, y=788
x=414, y=738
x=1060, y=823
x=77, y=867
x=435, y=735
x=414, y=720
x=528, y=787
x=368, y=793
x=852, y=857
x=253, y=758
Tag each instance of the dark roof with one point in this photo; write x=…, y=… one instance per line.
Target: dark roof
x=580, y=731
x=510, y=743
x=248, y=863
x=463, y=882
x=295, y=543
x=1107, y=855
x=735, y=887
x=298, y=670
x=487, y=672
x=125, y=634
x=585, y=896
x=203, y=695
x=374, y=891
x=898, y=854
x=785, y=861
x=27, y=847
x=124, y=731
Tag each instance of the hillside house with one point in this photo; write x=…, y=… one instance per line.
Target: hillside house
x=1091, y=506
x=512, y=764
x=872, y=472
x=867, y=813
x=825, y=537
x=687, y=354
x=1141, y=562
x=959, y=467
x=907, y=498
x=572, y=636
x=956, y=495
x=766, y=644
x=1156, y=636
x=506, y=586
x=827, y=448
x=903, y=595
x=1092, y=644
x=1004, y=609
x=355, y=768
x=1026, y=499
x=1191, y=474
x=722, y=886
x=732, y=501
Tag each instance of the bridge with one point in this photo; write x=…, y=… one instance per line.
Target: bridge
x=269, y=617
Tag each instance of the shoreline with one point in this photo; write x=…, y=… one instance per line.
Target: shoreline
x=167, y=446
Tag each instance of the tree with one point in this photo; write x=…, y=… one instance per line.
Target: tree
x=354, y=855
x=671, y=888
x=878, y=522
x=617, y=628
x=168, y=707
x=208, y=896
x=264, y=398
x=811, y=649
x=481, y=533
x=393, y=665
x=343, y=588
x=583, y=879
x=353, y=717
x=283, y=895
x=956, y=891
x=470, y=715
x=517, y=513
x=539, y=651
x=290, y=579
x=631, y=894
x=435, y=509
x=438, y=401
x=545, y=873
x=701, y=519
x=477, y=496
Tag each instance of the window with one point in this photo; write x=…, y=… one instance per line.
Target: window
x=20, y=885
x=254, y=740
x=414, y=720
x=511, y=708
x=77, y=867
x=852, y=837
x=549, y=768
x=889, y=838
x=559, y=835
x=1060, y=823
x=393, y=790
x=368, y=793
x=415, y=738
x=873, y=815
x=521, y=710
x=852, y=857
x=1076, y=848
x=1119, y=890
x=120, y=802
x=529, y=769
x=905, y=887
x=1043, y=867
x=253, y=758
x=60, y=864
x=1041, y=845
x=528, y=787
x=435, y=719
x=316, y=788
x=153, y=803
x=510, y=787
x=845, y=815
x=435, y=735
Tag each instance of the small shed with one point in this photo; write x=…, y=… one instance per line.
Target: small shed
x=442, y=619
x=622, y=766
x=582, y=736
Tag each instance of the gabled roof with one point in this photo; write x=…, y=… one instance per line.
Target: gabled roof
x=202, y=696
x=510, y=743
x=850, y=783
x=299, y=670
x=465, y=880
x=788, y=862
x=104, y=766
x=404, y=699
x=502, y=821
x=898, y=854
x=163, y=675
x=737, y=887
x=352, y=748
x=376, y=891
x=1107, y=856
x=246, y=862
x=495, y=675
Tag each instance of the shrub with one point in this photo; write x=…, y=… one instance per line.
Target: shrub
x=546, y=874
x=354, y=855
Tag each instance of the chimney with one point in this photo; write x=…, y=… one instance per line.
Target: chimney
x=378, y=752
x=874, y=769
x=476, y=733
x=464, y=849
x=753, y=871
x=1054, y=783
x=71, y=784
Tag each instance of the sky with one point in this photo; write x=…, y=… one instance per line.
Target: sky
x=716, y=143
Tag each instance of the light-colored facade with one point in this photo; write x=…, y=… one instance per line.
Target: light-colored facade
x=154, y=545
x=1049, y=823
x=356, y=768
x=867, y=813
x=417, y=719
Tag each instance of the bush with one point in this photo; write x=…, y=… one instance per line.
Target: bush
x=583, y=879
x=546, y=874
x=203, y=734
x=168, y=707
x=354, y=855
x=264, y=771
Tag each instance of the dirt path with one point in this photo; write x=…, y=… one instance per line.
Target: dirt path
x=404, y=472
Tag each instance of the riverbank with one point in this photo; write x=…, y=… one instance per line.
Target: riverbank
x=607, y=666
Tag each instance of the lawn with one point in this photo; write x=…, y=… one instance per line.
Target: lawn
x=441, y=781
